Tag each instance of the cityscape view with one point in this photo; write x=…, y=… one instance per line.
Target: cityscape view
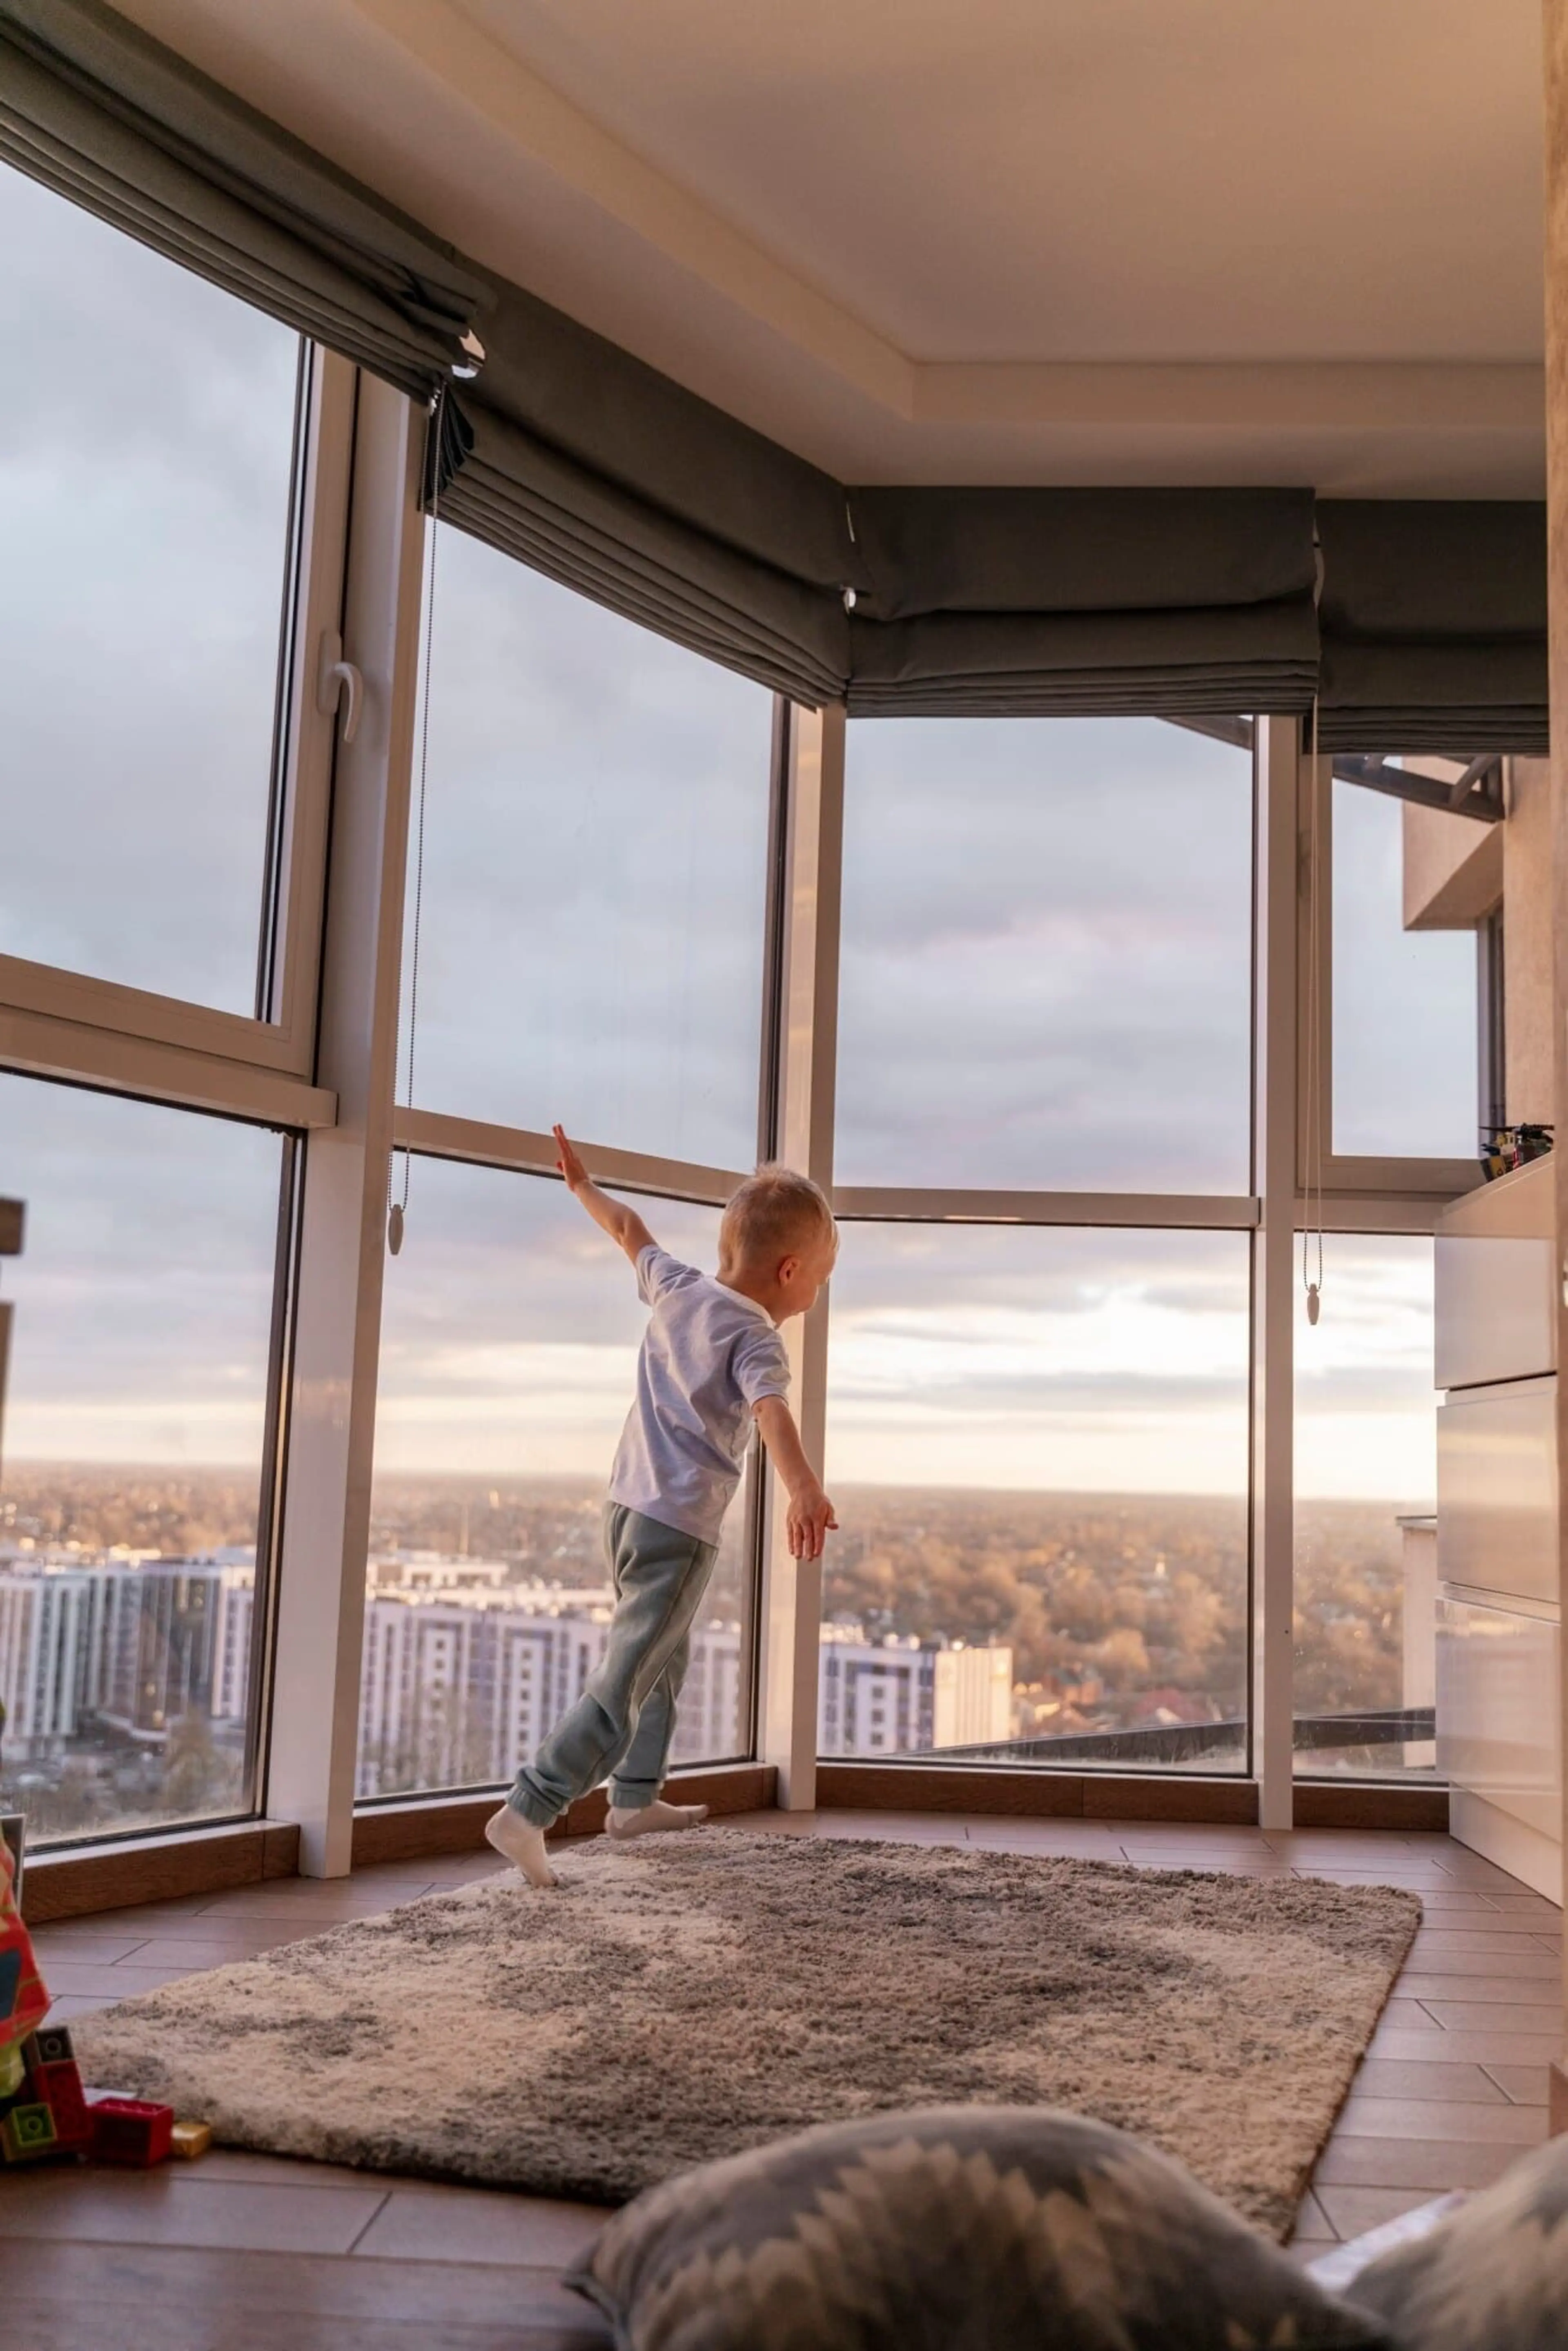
x=1002, y=1625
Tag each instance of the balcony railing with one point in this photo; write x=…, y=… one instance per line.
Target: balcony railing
x=1189, y=1742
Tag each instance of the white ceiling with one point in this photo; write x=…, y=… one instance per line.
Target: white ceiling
x=1045, y=240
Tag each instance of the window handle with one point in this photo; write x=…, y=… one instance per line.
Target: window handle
x=333, y=675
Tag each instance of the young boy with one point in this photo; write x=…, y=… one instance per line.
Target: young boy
x=712, y=1364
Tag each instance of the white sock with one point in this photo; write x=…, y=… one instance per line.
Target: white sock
x=647, y=1819
x=523, y=1845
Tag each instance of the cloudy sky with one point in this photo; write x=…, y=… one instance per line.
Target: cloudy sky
x=1045, y=982
x=144, y=465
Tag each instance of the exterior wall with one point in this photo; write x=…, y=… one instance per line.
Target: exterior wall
x=1527, y=942
x=1456, y=871
x=42, y=1622
x=974, y=1697
x=900, y=1698
x=1453, y=869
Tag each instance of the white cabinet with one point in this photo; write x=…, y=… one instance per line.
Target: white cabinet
x=1497, y=1488
x=1499, y=1707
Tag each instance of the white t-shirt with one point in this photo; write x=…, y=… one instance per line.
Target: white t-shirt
x=708, y=1356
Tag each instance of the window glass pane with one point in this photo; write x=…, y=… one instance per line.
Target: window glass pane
x=1405, y=1028
x=146, y=449
x=509, y=1338
x=1366, y=1495
x=1046, y=963
x=132, y=1462
x=594, y=874
x=1038, y=1449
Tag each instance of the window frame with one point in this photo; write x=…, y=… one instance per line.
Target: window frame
x=529, y=1152
x=55, y=1021
x=1394, y=1179
x=1241, y=1211
x=267, y=1572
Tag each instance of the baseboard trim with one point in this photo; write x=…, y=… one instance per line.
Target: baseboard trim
x=444, y=1825
x=156, y=1869
x=1119, y=1796
x=1038, y=1795
x=1329, y=1805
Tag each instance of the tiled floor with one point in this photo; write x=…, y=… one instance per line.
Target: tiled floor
x=250, y=2254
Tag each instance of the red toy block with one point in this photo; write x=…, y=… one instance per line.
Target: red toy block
x=131, y=2131
x=59, y=2087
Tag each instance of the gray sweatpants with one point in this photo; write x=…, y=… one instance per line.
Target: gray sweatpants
x=621, y=1727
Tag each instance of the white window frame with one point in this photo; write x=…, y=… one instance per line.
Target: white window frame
x=1359, y=1184
x=55, y=1022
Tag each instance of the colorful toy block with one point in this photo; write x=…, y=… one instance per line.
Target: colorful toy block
x=188, y=2140
x=61, y=2091
x=28, y=2132
x=134, y=2131
x=50, y=2091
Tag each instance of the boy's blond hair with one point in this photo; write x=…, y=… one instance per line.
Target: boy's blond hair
x=772, y=1213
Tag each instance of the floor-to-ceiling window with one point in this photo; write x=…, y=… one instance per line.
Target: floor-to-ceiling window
x=1038, y=1428
x=161, y=813
x=592, y=925
x=1038, y=1386
x=1391, y=1111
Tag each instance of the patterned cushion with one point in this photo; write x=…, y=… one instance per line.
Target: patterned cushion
x=954, y=2229
x=1491, y=2277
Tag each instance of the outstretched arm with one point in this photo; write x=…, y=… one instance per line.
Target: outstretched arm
x=623, y=1224
x=810, y=1513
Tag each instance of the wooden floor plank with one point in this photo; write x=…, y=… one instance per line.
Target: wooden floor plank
x=1496, y=2124
x=1354, y=2211
x=179, y=2207
x=1433, y=2164
x=1527, y=2085
x=428, y=2294
x=1488, y=2049
x=1433, y=2081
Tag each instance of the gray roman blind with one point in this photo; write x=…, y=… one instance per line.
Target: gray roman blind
x=96, y=109
x=617, y=481
x=1101, y=603
x=1434, y=625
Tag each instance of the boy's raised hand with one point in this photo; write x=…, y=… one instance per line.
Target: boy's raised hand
x=567, y=1164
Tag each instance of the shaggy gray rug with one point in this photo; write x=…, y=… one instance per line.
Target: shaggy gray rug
x=697, y=1995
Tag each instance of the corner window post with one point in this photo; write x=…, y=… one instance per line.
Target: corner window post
x=342, y=1238
x=792, y=1603
x=1278, y=757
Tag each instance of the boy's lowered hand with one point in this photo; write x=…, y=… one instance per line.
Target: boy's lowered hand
x=810, y=1518
x=810, y=1515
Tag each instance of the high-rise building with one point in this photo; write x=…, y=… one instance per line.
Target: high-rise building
x=904, y=1697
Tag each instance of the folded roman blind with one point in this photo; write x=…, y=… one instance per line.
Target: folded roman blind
x=93, y=107
x=1100, y=602
x=605, y=474
x=1433, y=616
x=617, y=481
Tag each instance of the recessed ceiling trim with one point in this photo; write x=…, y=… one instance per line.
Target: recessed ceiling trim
x=1343, y=396
x=575, y=150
